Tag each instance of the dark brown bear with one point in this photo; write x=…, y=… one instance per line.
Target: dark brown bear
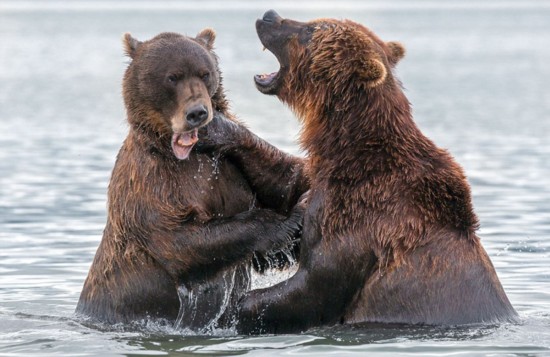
x=178, y=219
x=389, y=232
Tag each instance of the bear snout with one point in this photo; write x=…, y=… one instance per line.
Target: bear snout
x=271, y=16
x=196, y=116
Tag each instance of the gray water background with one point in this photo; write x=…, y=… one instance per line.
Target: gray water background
x=477, y=73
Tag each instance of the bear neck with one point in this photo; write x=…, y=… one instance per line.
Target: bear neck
x=363, y=135
x=151, y=140
x=219, y=101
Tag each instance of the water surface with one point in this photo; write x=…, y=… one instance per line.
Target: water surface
x=476, y=72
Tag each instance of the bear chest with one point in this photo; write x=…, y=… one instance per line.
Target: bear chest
x=218, y=187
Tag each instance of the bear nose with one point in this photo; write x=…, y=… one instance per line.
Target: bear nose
x=271, y=16
x=196, y=115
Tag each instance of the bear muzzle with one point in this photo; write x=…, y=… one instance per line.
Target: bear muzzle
x=196, y=116
x=272, y=16
x=185, y=128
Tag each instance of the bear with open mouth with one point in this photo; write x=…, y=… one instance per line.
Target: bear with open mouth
x=389, y=231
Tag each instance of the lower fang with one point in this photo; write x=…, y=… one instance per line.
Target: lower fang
x=263, y=49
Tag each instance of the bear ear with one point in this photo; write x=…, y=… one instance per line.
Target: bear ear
x=130, y=45
x=206, y=37
x=373, y=71
x=397, y=51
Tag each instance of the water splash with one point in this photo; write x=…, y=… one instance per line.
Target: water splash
x=216, y=166
x=274, y=274
x=210, y=306
x=188, y=305
x=229, y=283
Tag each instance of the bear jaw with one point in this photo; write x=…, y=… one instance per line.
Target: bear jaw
x=182, y=143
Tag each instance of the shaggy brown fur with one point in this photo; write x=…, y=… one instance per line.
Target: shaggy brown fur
x=175, y=222
x=389, y=233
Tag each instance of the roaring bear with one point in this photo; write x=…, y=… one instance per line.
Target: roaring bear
x=182, y=225
x=389, y=229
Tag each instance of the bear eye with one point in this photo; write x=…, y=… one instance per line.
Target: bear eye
x=205, y=77
x=173, y=78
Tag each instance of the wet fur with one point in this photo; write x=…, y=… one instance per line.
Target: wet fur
x=389, y=233
x=178, y=223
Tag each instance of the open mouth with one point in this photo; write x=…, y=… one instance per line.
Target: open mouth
x=269, y=83
x=268, y=29
x=266, y=83
x=182, y=143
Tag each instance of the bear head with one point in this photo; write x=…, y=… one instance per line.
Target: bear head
x=323, y=62
x=169, y=85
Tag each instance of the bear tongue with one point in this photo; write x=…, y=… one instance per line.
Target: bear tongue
x=182, y=143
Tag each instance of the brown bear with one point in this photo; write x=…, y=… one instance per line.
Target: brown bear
x=389, y=229
x=182, y=226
